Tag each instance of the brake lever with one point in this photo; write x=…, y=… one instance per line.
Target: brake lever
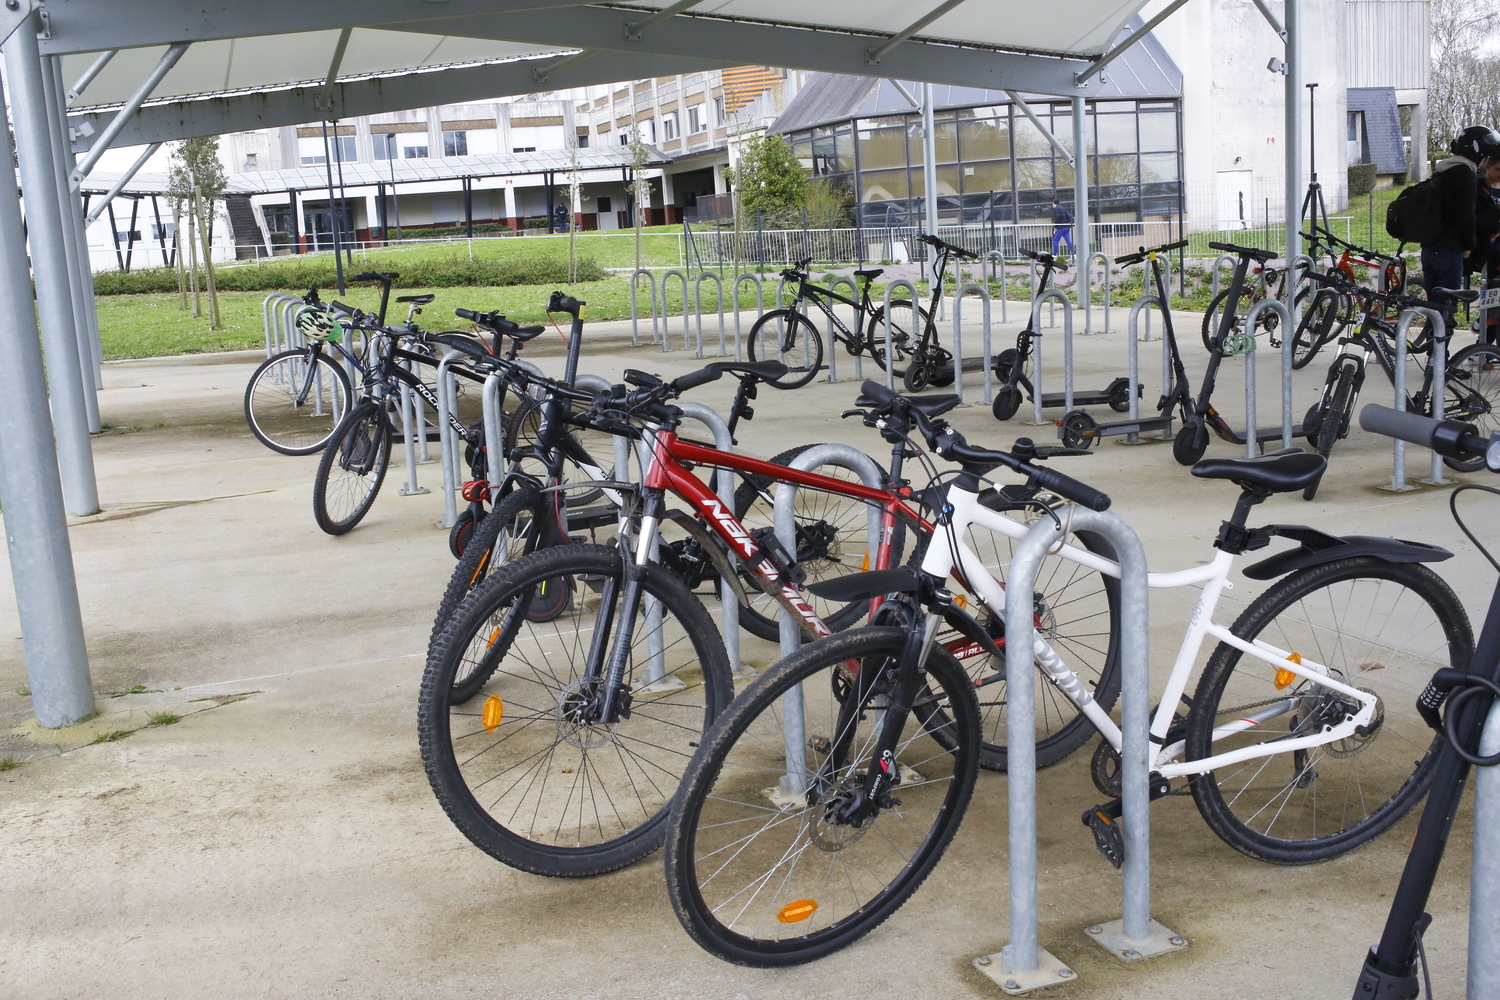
x=852, y=413
x=1057, y=451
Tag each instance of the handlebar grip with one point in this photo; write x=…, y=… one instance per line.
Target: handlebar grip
x=468, y=314
x=1172, y=246
x=1450, y=438
x=564, y=303
x=879, y=393
x=1066, y=486
x=702, y=376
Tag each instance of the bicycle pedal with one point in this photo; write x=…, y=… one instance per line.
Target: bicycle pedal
x=820, y=744
x=1104, y=822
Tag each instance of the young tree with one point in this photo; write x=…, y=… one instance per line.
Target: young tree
x=1463, y=89
x=639, y=157
x=197, y=177
x=769, y=178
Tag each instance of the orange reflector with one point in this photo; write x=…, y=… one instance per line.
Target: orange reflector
x=494, y=711
x=791, y=913
x=493, y=636
x=865, y=568
x=962, y=600
x=1285, y=676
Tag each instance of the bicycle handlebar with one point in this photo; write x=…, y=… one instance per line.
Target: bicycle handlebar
x=951, y=445
x=1450, y=438
x=382, y=276
x=566, y=304
x=495, y=322
x=941, y=244
x=1260, y=255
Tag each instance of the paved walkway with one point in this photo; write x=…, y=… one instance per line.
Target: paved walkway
x=280, y=839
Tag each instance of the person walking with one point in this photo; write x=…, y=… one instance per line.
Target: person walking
x=1062, y=226
x=1486, y=260
x=1457, y=181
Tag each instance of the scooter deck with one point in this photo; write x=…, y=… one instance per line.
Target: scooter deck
x=974, y=365
x=1143, y=426
x=1085, y=398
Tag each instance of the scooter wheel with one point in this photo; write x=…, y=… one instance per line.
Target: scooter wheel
x=1311, y=422
x=460, y=533
x=1119, y=395
x=1077, y=429
x=1190, y=444
x=917, y=376
x=1007, y=402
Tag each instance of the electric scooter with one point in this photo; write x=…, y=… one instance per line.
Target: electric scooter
x=1192, y=440
x=1078, y=429
x=1013, y=364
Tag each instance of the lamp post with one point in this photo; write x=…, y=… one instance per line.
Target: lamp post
x=390, y=155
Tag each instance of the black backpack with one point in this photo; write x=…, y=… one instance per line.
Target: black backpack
x=1416, y=216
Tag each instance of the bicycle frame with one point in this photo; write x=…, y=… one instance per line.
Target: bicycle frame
x=941, y=560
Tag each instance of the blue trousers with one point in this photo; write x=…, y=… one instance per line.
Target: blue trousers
x=1062, y=234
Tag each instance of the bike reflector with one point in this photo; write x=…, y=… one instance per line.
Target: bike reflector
x=494, y=711
x=1285, y=676
x=792, y=913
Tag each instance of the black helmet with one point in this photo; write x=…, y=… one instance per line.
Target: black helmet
x=1475, y=143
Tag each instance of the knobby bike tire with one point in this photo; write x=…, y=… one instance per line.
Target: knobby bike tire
x=1319, y=325
x=1471, y=393
x=275, y=417
x=731, y=832
x=1334, y=421
x=352, y=469
x=787, y=336
x=539, y=790
x=1380, y=627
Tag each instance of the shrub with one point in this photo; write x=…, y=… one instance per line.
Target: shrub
x=303, y=273
x=536, y=223
x=1361, y=179
x=455, y=232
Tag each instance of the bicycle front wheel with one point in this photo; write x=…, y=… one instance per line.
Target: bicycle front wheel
x=1471, y=393
x=787, y=336
x=1333, y=420
x=517, y=767
x=1317, y=326
x=1380, y=627
x=761, y=868
x=295, y=400
x=352, y=468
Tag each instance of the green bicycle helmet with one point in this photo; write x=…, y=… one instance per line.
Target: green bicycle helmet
x=316, y=324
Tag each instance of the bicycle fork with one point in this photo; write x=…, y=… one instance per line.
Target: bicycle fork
x=607, y=673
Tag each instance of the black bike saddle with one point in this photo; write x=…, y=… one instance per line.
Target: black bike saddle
x=420, y=300
x=766, y=371
x=1285, y=472
x=1461, y=294
x=871, y=273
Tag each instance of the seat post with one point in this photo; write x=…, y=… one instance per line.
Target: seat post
x=1248, y=498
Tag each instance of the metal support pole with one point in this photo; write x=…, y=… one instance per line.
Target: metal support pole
x=73, y=208
x=31, y=493
x=1398, y=482
x=125, y=179
x=1484, y=883
x=1022, y=964
x=1081, y=210
x=1440, y=379
x=446, y=398
x=411, y=416
x=80, y=284
x=1291, y=11
x=50, y=268
x=494, y=440
x=929, y=175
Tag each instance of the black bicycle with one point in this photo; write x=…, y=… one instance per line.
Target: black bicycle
x=787, y=335
x=1469, y=689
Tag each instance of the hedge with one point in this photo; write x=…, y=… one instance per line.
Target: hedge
x=299, y=274
x=1361, y=179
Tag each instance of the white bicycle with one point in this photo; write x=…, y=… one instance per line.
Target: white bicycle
x=799, y=831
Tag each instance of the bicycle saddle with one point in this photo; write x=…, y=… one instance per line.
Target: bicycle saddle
x=420, y=300
x=1283, y=472
x=871, y=273
x=1461, y=294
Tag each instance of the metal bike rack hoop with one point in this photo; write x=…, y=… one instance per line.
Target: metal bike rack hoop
x=1022, y=965
x=447, y=397
x=1439, y=327
x=830, y=341
x=1251, y=427
x=958, y=343
x=698, y=309
x=1052, y=295
x=635, y=329
x=916, y=305
x=1088, y=313
x=1224, y=258
x=794, y=782
x=1133, y=365
x=760, y=308
x=666, y=319
x=1484, y=882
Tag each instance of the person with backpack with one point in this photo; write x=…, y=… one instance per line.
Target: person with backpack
x=1062, y=226
x=1486, y=260
x=1455, y=190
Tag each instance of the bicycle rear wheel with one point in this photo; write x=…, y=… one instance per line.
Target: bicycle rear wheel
x=1471, y=393
x=1319, y=325
x=1333, y=420
x=352, y=468
x=1381, y=627
x=760, y=869
x=514, y=766
x=787, y=336
x=293, y=404
x=907, y=322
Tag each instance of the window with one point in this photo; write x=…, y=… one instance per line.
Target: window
x=523, y=149
x=669, y=126
x=250, y=163
x=718, y=111
x=311, y=151
x=165, y=230
x=624, y=138
x=583, y=142
x=456, y=143
x=696, y=122
x=415, y=152
x=604, y=206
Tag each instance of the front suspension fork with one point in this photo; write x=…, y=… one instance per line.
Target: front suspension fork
x=613, y=669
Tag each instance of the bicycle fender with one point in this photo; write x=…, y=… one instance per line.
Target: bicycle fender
x=1318, y=547
x=713, y=547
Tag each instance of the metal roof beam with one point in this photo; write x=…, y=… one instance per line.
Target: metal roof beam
x=112, y=130
x=872, y=56
x=325, y=100
x=89, y=74
x=1137, y=35
x=691, y=35
x=119, y=185
x=296, y=105
x=96, y=25
x=1056, y=142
